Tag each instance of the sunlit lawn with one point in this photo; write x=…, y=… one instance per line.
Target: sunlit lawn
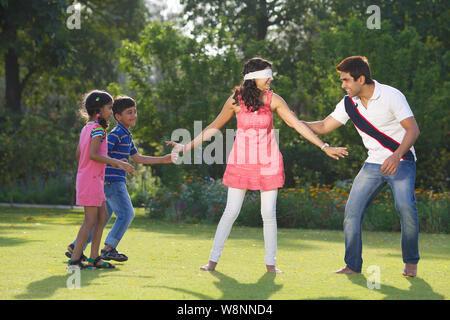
x=164, y=261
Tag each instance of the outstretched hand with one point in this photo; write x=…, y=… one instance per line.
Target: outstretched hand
x=177, y=147
x=335, y=153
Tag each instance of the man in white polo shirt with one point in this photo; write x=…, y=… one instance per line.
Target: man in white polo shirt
x=388, y=129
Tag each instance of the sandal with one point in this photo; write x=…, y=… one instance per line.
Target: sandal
x=77, y=265
x=69, y=254
x=104, y=265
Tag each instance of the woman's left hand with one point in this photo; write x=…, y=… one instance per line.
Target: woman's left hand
x=335, y=153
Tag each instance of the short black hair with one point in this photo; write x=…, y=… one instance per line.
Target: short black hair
x=357, y=66
x=121, y=103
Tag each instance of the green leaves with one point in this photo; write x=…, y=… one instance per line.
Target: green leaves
x=178, y=77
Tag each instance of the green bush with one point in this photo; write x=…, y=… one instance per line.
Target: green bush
x=39, y=190
x=141, y=186
x=202, y=200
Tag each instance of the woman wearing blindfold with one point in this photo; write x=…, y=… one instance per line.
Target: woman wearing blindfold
x=255, y=161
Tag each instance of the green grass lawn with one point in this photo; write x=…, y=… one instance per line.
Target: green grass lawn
x=164, y=261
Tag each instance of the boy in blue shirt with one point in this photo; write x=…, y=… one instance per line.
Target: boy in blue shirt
x=121, y=146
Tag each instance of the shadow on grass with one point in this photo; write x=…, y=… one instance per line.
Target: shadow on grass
x=233, y=290
x=47, y=287
x=419, y=289
x=4, y=242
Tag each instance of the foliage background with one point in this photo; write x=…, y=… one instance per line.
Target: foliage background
x=182, y=68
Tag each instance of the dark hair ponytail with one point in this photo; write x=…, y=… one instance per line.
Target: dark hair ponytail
x=93, y=102
x=248, y=91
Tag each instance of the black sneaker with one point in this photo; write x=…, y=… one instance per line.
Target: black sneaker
x=113, y=255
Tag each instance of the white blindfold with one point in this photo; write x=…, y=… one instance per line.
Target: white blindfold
x=261, y=74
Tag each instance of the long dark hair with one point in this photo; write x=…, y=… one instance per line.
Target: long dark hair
x=93, y=101
x=248, y=91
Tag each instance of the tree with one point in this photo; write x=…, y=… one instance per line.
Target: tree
x=34, y=40
x=400, y=59
x=22, y=23
x=47, y=68
x=247, y=21
x=175, y=82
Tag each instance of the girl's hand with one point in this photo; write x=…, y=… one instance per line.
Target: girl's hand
x=335, y=153
x=125, y=166
x=177, y=147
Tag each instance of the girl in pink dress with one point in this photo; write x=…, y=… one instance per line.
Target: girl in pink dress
x=92, y=155
x=255, y=162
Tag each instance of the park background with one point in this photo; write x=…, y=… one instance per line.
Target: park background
x=180, y=62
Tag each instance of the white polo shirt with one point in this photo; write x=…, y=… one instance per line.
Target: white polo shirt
x=385, y=109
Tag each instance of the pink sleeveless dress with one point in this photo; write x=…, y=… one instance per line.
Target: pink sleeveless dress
x=255, y=162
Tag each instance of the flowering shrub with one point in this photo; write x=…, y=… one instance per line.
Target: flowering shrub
x=58, y=189
x=313, y=207
x=196, y=200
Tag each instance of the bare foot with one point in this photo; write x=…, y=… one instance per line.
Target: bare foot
x=209, y=267
x=410, y=270
x=345, y=270
x=273, y=269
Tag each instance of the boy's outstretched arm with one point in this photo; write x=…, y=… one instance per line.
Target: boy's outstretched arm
x=168, y=158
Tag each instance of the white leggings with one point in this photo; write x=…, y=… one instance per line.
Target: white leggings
x=232, y=209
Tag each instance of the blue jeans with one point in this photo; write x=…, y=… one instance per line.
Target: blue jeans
x=117, y=201
x=367, y=184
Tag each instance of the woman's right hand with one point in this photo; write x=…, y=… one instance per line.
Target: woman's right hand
x=177, y=147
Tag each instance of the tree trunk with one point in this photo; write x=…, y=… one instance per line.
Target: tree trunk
x=11, y=196
x=262, y=20
x=13, y=86
x=263, y=24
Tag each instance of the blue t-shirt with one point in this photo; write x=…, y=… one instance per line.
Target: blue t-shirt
x=120, y=146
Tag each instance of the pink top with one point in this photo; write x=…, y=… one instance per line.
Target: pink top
x=255, y=162
x=91, y=174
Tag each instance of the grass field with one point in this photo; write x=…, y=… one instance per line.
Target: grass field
x=164, y=261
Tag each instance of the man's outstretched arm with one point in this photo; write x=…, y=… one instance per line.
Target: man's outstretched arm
x=324, y=126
